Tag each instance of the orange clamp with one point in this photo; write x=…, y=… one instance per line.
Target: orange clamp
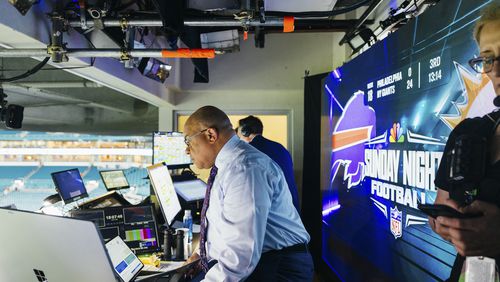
x=288, y=24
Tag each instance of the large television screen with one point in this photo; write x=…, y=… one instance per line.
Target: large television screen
x=389, y=113
x=169, y=147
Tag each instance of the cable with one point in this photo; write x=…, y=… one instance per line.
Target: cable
x=68, y=68
x=28, y=73
x=331, y=13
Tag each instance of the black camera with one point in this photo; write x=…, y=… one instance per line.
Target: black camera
x=467, y=164
x=11, y=114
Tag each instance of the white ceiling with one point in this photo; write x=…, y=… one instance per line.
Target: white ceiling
x=100, y=96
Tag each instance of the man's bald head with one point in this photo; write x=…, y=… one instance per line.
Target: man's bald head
x=209, y=117
x=206, y=131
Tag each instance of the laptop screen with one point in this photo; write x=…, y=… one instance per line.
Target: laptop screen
x=165, y=191
x=114, y=179
x=191, y=190
x=69, y=185
x=124, y=261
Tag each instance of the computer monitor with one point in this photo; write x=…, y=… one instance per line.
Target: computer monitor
x=114, y=179
x=191, y=190
x=125, y=262
x=165, y=191
x=40, y=247
x=169, y=147
x=69, y=184
x=136, y=225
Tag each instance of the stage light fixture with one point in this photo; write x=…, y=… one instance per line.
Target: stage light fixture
x=155, y=69
x=23, y=5
x=368, y=36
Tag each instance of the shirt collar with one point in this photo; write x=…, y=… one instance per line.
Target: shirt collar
x=226, y=154
x=257, y=137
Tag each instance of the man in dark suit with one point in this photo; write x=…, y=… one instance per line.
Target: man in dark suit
x=250, y=130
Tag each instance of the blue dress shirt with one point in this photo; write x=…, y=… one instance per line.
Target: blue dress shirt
x=250, y=212
x=282, y=157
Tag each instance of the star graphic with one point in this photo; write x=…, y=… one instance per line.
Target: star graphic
x=472, y=86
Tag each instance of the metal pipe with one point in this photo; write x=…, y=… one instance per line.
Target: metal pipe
x=114, y=53
x=152, y=53
x=54, y=84
x=235, y=23
x=23, y=53
x=188, y=22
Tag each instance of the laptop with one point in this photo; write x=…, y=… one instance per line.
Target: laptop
x=38, y=247
x=129, y=268
x=125, y=263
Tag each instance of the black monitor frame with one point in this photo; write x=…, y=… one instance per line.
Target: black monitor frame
x=112, y=221
x=59, y=186
x=101, y=172
x=170, y=166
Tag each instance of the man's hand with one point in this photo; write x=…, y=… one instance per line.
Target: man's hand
x=195, y=269
x=472, y=236
x=442, y=198
x=192, y=258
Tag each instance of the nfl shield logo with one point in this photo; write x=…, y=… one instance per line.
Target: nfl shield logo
x=396, y=225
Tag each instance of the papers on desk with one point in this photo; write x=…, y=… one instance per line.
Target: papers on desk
x=164, y=266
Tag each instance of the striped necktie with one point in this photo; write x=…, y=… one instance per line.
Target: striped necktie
x=203, y=225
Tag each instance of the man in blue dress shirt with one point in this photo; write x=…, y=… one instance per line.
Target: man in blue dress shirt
x=250, y=130
x=253, y=231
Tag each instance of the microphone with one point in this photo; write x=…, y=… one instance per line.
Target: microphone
x=496, y=101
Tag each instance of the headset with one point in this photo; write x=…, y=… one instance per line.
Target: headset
x=245, y=130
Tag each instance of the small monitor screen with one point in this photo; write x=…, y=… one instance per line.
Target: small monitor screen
x=69, y=185
x=114, y=179
x=136, y=225
x=169, y=147
x=191, y=190
x=165, y=191
x=124, y=261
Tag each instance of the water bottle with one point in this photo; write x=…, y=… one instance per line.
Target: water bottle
x=188, y=223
